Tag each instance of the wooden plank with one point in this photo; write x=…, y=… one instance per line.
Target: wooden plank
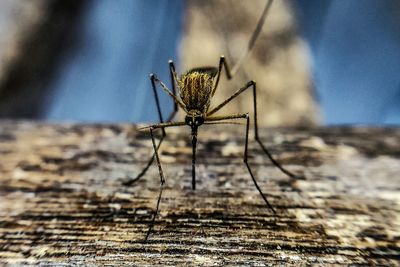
x=62, y=201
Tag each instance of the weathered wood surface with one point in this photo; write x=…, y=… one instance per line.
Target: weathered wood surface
x=62, y=202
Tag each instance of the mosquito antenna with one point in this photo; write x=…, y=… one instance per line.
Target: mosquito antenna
x=253, y=37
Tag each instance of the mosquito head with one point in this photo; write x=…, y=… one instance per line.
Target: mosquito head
x=194, y=120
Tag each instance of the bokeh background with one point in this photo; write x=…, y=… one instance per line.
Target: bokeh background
x=315, y=62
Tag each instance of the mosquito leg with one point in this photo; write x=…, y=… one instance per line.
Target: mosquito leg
x=248, y=166
x=222, y=63
x=245, y=116
x=252, y=84
x=174, y=80
x=160, y=116
x=229, y=99
x=162, y=181
x=257, y=137
x=253, y=38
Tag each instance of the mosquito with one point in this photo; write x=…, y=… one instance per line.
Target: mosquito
x=196, y=89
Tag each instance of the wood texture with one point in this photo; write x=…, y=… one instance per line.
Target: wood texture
x=62, y=202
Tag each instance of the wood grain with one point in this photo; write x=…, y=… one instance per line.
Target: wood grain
x=62, y=201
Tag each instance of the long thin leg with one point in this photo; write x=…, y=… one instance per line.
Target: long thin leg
x=162, y=181
x=245, y=116
x=250, y=45
x=155, y=126
x=252, y=84
x=222, y=63
x=253, y=38
x=160, y=116
x=257, y=137
x=174, y=80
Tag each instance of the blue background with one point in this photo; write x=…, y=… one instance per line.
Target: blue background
x=355, y=48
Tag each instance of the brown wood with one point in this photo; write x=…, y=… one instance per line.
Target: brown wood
x=62, y=202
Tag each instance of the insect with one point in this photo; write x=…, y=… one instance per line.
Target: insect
x=196, y=89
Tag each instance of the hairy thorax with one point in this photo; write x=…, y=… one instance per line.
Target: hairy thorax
x=196, y=90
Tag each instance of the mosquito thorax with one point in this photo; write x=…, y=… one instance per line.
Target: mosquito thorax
x=196, y=87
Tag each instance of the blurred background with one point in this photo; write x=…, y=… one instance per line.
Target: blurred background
x=315, y=62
